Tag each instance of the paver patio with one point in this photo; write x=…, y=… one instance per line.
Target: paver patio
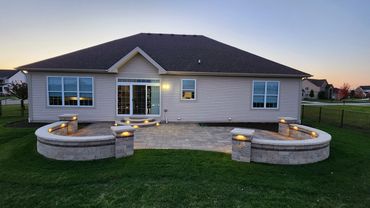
x=179, y=136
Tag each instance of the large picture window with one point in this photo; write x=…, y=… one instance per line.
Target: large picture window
x=188, y=89
x=70, y=91
x=266, y=94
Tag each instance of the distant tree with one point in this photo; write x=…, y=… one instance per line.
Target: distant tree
x=312, y=94
x=19, y=90
x=352, y=94
x=322, y=95
x=344, y=91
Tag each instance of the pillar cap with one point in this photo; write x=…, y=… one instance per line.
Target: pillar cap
x=120, y=129
x=244, y=132
x=287, y=120
x=68, y=117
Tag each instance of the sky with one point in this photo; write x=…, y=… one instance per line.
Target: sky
x=329, y=39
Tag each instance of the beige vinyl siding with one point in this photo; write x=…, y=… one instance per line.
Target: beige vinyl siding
x=219, y=98
x=138, y=67
x=104, y=98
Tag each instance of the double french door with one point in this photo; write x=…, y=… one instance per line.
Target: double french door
x=138, y=98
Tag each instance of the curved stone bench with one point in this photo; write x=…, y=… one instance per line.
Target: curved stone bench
x=288, y=152
x=292, y=152
x=53, y=142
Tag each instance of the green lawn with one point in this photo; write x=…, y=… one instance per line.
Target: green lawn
x=180, y=178
x=354, y=116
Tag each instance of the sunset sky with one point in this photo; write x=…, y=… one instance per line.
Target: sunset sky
x=327, y=38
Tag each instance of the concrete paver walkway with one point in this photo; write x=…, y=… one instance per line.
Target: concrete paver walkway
x=179, y=136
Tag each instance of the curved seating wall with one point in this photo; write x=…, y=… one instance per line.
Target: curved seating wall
x=292, y=152
x=52, y=142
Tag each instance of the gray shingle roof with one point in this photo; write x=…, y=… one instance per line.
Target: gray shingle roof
x=7, y=73
x=365, y=87
x=172, y=52
x=318, y=82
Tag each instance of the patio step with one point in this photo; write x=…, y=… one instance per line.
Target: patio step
x=149, y=123
x=138, y=120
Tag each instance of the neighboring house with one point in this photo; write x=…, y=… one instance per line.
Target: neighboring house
x=185, y=78
x=317, y=86
x=365, y=90
x=9, y=76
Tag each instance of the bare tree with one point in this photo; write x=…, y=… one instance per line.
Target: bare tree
x=19, y=90
x=344, y=91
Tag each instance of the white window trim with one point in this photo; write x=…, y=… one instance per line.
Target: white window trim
x=130, y=84
x=265, y=95
x=195, y=89
x=78, y=92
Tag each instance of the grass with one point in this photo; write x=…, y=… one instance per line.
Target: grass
x=354, y=116
x=182, y=178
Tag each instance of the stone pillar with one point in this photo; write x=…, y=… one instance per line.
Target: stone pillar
x=284, y=125
x=72, y=122
x=124, y=145
x=241, y=144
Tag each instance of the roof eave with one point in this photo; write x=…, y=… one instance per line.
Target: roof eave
x=237, y=74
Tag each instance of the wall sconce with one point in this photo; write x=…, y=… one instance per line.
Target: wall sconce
x=165, y=86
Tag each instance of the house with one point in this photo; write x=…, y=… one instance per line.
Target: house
x=7, y=77
x=178, y=78
x=365, y=90
x=317, y=86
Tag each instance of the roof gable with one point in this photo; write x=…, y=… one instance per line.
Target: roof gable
x=318, y=82
x=180, y=53
x=6, y=74
x=132, y=54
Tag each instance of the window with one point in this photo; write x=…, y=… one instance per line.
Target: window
x=70, y=91
x=188, y=89
x=265, y=94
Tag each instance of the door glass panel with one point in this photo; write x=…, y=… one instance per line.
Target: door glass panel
x=138, y=99
x=153, y=100
x=123, y=99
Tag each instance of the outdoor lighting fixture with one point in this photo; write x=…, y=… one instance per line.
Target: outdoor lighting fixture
x=282, y=121
x=146, y=121
x=50, y=130
x=136, y=126
x=115, y=124
x=25, y=71
x=157, y=124
x=128, y=122
x=314, y=134
x=74, y=117
x=166, y=86
x=240, y=137
x=126, y=134
x=295, y=127
x=63, y=125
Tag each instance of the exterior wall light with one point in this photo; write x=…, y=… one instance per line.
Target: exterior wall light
x=25, y=71
x=74, y=117
x=50, y=130
x=115, y=124
x=136, y=126
x=314, y=134
x=295, y=128
x=146, y=121
x=240, y=137
x=157, y=124
x=126, y=134
x=166, y=86
x=63, y=125
x=282, y=121
x=127, y=122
